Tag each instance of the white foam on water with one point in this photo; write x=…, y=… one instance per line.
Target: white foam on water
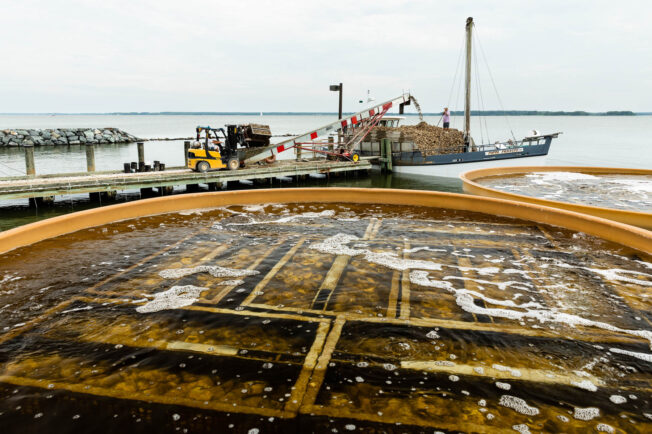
x=213, y=270
x=235, y=282
x=504, y=386
x=502, y=285
x=173, y=298
x=192, y=212
x=603, y=427
x=337, y=245
x=610, y=274
x=637, y=185
x=522, y=428
x=288, y=219
x=479, y=370
x=562, y=418
x=482, y=271
x=464, y=299
x=617, y=274
x=586, y=413
x=254, y=208
x=466, y=302
x=517, y=404
x=454, y=378
x=513, y=371
x=418, y=277
x=419, y=249
x=617, y=399
x=585, y=384
x=554, y=177
x=305, y=215
x=642, y=356
x=507, y=303
x=77, y=309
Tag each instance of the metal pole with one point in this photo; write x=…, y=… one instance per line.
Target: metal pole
x=29, y=160
x=467, y=82
x=186, y=148
x=340, y=109
x=90, y=157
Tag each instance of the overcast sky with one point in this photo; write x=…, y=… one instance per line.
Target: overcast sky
x=186, y=55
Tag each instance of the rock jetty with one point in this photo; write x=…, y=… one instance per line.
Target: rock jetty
x=64, y=136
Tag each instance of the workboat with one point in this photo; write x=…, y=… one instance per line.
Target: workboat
x=408, y=158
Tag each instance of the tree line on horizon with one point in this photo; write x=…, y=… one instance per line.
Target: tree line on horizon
x=453, y=113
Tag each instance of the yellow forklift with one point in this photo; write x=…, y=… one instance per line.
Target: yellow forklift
x=215, y=149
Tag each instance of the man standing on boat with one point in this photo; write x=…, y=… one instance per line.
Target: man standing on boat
x=446, y=117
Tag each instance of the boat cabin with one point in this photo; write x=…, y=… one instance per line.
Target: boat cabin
x=390, y=121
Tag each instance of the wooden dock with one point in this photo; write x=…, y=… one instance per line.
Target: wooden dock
x=47, y=186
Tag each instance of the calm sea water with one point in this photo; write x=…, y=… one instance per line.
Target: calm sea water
x=586, y=141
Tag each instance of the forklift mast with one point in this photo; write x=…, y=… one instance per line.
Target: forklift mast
x=234, y=136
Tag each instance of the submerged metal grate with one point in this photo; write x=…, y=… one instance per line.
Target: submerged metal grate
x=346, y=318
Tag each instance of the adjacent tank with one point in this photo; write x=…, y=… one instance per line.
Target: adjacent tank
x=619, y=194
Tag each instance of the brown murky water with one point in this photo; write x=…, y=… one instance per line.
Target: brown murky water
x=626, y=192
x=325, y=318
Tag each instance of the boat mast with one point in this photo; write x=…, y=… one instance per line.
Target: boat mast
x=467, y=95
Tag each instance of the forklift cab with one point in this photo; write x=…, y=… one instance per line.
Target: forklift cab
x=215, y=149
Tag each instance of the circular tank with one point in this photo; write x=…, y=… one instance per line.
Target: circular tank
x=619, y=194
x=326, y=310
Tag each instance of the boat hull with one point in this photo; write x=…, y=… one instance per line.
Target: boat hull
x=454, y=170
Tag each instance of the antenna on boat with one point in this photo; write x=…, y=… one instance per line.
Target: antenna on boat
x=467, y=82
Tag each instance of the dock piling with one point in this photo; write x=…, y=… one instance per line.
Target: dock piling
x=386, y=154
x=36, y=202
x=141, y=153
x=186, y=148
x=90, y=157
x=29, y=160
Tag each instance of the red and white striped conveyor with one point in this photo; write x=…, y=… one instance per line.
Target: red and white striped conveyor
x=324, y=131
